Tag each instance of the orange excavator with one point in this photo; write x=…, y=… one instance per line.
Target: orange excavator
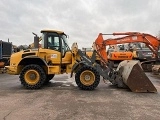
x=128, y=37
x=128, y=69
x=118, y=53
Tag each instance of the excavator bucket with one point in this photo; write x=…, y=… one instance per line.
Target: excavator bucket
x=134, y=77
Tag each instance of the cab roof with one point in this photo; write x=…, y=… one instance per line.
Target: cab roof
x=57, y=31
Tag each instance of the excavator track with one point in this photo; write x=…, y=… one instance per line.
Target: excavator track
x=148, y=66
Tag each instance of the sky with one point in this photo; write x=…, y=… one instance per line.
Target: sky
x=82, y=20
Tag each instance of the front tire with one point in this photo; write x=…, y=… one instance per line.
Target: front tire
x=87, y=78
x=32, y=76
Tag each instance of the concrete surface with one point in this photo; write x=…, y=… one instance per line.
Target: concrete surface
x=62, y=100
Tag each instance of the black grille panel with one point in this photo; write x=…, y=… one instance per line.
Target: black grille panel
x=28, y=54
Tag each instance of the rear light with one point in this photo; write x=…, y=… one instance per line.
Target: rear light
x=114, y=55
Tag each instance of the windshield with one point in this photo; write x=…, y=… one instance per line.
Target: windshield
x=65, y=42
x=64, y=37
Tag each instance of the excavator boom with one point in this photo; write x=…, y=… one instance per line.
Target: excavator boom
x=128, y=69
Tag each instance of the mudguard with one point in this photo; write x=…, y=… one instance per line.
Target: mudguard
x=75, y=66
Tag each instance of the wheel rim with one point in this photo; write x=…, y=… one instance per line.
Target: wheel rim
x=87, y=77
x=32, y=77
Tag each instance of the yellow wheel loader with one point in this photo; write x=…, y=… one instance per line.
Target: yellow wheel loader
x=37, y=66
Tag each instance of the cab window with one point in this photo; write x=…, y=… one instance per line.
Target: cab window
x=53, y=42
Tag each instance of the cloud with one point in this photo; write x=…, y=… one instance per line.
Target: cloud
x=82, y=20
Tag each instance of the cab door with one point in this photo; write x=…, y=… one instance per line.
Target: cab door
x=65, y=52
x=53, y=45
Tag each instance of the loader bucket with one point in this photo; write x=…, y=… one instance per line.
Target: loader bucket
x=134, y=77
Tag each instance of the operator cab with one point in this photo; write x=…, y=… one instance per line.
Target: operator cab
x=55, y=40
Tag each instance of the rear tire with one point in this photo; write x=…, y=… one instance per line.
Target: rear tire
x=87, y=78
x=32, y=76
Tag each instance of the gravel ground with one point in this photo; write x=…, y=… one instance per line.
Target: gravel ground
x=62, y=100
